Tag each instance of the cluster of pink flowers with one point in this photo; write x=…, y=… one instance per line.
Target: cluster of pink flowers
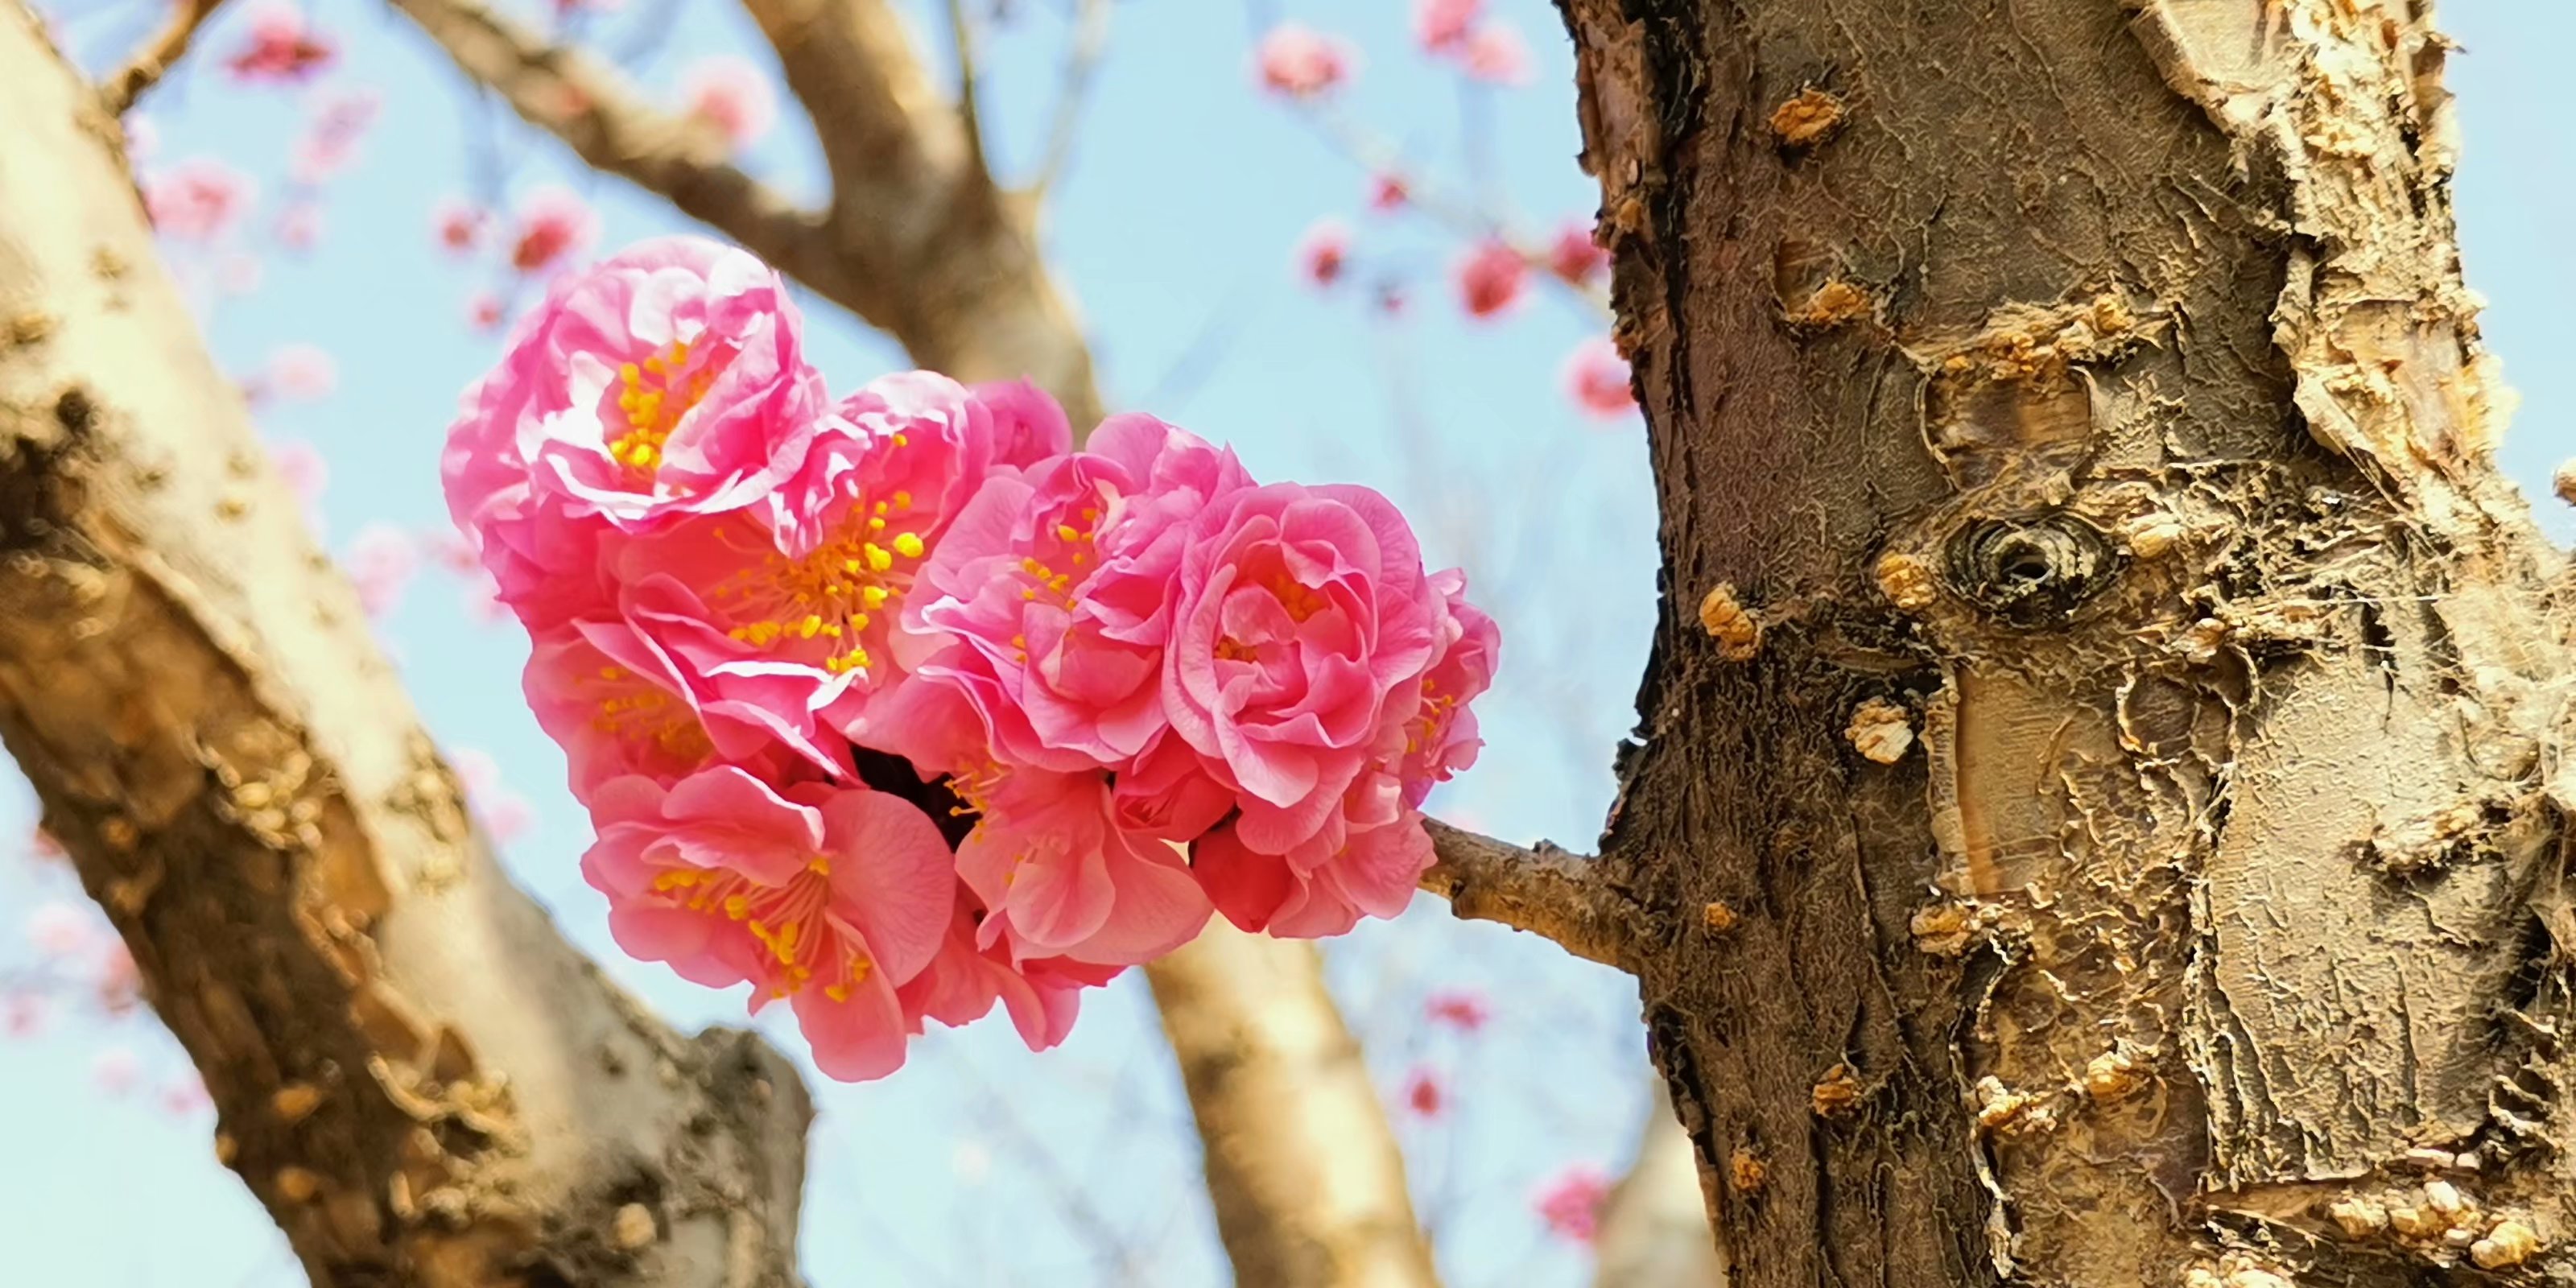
x=282, y=47
x=895, y=707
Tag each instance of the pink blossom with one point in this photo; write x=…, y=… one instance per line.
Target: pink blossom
x=1596, y=378
x=299, y=226
x=459, y=225
x=731, y=94
x=483, y=311
x=666, y=382
x=57, y=930
x=1490, y=278
x=1441, y=26
x=300, y=465
x=330, y=143
x=1061, y=877
x=116, y=1070
x=1571, y=1204
x=1299, y=62
x=1323, y=251
x=22, y=1013
x=1440, y=739
x=197, y=200
x=1575, y=256
x=118, y=984
x=1497, y=55
x=43, y=848
x=380, y=562
x=281, y=48
x=621, y=705
x=1042, y=995
x=505, y=814
x=302, y=371
x=1366, y=862
x=1424, y=1094
x=1058, y=587
x=1460, y=1009
x=1387, y=192
x=185, y=1096
x=239, y=273
x=828, y=897
x=142, y=137
x=553, y=222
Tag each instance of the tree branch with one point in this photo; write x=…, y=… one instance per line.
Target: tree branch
x=970, y=116
x=424, y=1084
x=1546, y=891
x=1081, y=64
x=149, y=63
x=1654, y=1230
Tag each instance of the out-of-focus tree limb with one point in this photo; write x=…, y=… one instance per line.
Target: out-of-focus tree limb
x=1655, y=1231
x=414, y=1073
x=152, y=61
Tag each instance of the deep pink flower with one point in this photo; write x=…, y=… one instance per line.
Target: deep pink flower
x=1440, y=739
x=1441, y=26
x=829, y=897
x=1387, y=192
x=731, y=94
x=611, y=694
x=1460, y=1009
x=57, y=930
x=1423, y=1092
x=1299, y=62
x=1042, y=995
x=380, y=561
x=1059, y=587
x=1490, y=278
x=281, y=48
x=1366, y=862
x=666, y=382
x=1323, y=251
x=1574, y=256
x=459, y=225
x=553, y=222
x=1064, y=880
x=116, y=1070
x=1596, y=378
x=1571, y=1204
x=1497, y=55
x=197, y=200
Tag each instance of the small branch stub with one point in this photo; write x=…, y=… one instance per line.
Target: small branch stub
x=2033, y=570
x=2565, y=483
x=1737, y=631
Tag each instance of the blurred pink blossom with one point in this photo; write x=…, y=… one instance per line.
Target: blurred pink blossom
x=381, y=560
x=484, y=311
x=459, y=224
x=732, y=94
x=1571, y=1204
x=302, y=371
x=22, y=1013
x=43, y=848
x=299, y=226
x=185, y=1096
x=1387, y=192
x=1497, y=55
x=1459, y=1008
x=1423, y=1093
x=1596, y=378
x=553, y=222
x=1300, y=62
x=330, y=142
x=239, y=273
x=1442, y=25
x=197, y=200
x=505, y=814
x=301, y=465
x=142, y=138
x=57, y=929
x=119, y=985
x=1574, y=256
x=1323, y=252
x=116, y=1070
x=1490, y=278
x=282, y=47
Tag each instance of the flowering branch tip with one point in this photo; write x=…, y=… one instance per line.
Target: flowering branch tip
x=149, y=63
x=1547, y=891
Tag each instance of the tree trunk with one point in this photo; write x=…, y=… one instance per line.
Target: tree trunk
x=2098, y=807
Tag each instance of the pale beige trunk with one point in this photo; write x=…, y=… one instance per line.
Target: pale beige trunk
x=2101, y=816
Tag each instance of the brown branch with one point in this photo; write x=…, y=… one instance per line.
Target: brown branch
x=1546, y=891
x=970, y=113
x=422, y=1081
x=152, y=61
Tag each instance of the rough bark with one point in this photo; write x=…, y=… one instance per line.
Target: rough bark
x=2085, y=391
x=1308, y=1185
x=1654, y=1229
x=414, y=1073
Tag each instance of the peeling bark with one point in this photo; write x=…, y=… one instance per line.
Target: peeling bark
x=417, y=1076
x=2089, y=388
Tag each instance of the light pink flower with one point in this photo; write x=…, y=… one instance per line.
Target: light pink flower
x=302, y=371
x=299, y=227
x=666, y=382
x=380, y=562
x=239, y=273
x=1323, y=251
x=185, y=1096
x=1299, y=62
x=1042, y=995
x=731, y=94
x=1497, y=55
x=330, y=143
x=116, y=1070
x=459, y=225
x=1575, y=256
x=1571, y=1203
x=118, y=985
x=300, y=465
x=1064, y=880
x=1059, y=585
x=1596, y=378
x=22, y=1013
x=483, y=311
x=1461, y=1009
x=827, y=897
x=1490, y=278
x=553, y=222
x=197, y=200
x=281, y=48
x=43, y=848
x=505, y=814
x=1441, y=26
x=1423, y=1092
x=57, y=930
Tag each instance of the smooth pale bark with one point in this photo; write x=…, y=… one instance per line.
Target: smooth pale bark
x=1654, y=1228
x=415, y=1074
x=2099, y=815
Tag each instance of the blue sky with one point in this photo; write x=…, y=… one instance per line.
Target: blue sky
x=981, y=1164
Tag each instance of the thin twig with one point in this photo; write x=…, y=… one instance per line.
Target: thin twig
x=1546, y=891
x=166, y=47
x=1081, y=64
x=962, y=32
